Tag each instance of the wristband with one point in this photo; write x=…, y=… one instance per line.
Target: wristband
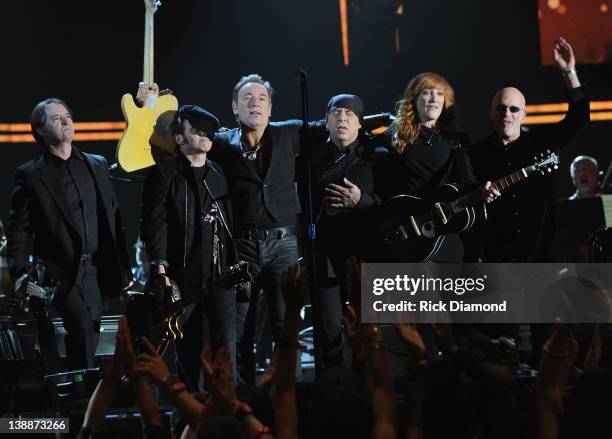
x=569, y=71
x=173, y=385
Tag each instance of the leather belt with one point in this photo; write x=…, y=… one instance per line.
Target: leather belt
x=260, y=235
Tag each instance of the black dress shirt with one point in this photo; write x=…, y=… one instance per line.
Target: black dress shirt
x=79, y=189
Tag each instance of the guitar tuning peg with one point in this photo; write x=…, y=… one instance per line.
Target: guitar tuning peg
x=549, y=170
x=556, y=167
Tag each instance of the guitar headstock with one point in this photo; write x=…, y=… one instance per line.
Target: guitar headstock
x=546, y=162
x=152, y=5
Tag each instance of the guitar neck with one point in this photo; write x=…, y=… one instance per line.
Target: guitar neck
x=473, y=198
x=147, y=76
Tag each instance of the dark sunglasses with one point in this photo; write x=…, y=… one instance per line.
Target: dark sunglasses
x=501, y=108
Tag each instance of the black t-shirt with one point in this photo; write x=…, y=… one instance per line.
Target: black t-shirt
x=211, y=226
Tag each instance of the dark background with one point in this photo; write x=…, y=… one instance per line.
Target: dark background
x=90, y=54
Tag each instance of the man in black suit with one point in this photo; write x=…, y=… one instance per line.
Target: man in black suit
x=64, y=211
x=343, y=198
x=185, y=228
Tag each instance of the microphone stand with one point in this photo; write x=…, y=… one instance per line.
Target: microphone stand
x=310, y=244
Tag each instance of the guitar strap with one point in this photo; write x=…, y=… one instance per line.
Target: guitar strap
x=221, y=217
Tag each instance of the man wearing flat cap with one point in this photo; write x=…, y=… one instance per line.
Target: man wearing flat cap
x=343, y=190
x=185, y=228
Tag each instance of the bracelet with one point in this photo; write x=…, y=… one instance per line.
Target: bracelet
x=172, y=385
x=261, y=431
x=569, y=72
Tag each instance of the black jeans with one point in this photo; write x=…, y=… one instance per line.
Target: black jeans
x=268, y=258
x=212, y=321
x=80, y=310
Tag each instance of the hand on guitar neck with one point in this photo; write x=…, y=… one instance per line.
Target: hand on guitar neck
x=146, y=92
x=488, y=192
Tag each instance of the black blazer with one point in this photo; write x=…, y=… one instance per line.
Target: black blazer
x=169, y=218
x=278, y=185
x=40, y=224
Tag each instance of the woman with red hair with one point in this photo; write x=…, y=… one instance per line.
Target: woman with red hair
x=428, y=150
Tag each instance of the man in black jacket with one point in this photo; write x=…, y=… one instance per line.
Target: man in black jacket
x=343, y=198
x=64, y=203
x=259, y=160
x=185, y=227
x=520, y=225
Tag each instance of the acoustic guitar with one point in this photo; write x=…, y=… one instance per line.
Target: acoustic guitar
x=414, y=228
x=147, y=138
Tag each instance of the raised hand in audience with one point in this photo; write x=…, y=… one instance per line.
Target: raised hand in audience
x=558, y=356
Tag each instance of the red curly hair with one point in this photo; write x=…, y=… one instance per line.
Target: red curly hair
x=406, y=127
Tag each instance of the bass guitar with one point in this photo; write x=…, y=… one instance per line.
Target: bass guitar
x=156, y=313
x=147, y=137
x=414, y=228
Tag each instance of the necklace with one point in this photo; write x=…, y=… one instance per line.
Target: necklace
x=248, y=152
x=428, y=140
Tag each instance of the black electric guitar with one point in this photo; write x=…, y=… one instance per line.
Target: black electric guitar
x=413, y=228
x=156, y=313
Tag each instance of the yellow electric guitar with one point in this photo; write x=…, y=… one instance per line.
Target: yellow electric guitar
x=147, y=137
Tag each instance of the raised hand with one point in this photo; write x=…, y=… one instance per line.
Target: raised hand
x=223, y=390
x=151, y=363
x=443, y=333
x=146, y=90
x=124, y=350
x=593, y=355
x=294, y=289
x=352, y=284
x=267, y=379
x=206, y=358
x=409, y=333
x=564, y=55
x=354, y=332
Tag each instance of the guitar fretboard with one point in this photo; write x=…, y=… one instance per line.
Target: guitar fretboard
x=473, y=198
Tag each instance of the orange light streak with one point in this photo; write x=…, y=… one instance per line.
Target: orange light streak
x=344, y=29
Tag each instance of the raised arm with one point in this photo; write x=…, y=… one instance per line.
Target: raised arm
x=284, y=401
